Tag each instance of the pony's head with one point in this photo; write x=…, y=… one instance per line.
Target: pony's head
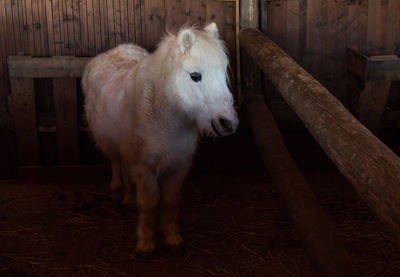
x=198, y=80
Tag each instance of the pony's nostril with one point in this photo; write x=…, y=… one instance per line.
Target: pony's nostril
x=226, y=124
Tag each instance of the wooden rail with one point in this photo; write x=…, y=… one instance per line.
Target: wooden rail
x=64, y=71
x=320, y=240
x=371, y=167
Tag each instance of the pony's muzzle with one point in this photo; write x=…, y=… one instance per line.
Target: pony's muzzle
x=224, y=126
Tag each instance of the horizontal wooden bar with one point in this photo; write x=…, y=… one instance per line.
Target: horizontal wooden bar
x=383, y=69
x=53, y=129
x=97, y=174
x=374, y=68
x=369, y=165
x=53, y=67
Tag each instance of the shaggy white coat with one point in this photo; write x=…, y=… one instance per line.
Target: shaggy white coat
x=146, y=114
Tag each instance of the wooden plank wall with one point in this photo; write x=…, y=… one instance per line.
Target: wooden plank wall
x=316, y=32
x=87, y=27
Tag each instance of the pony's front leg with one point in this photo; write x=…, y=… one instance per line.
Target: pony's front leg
x=147, y=200
x=116, y=185
x=129, y=194
x=171, y=190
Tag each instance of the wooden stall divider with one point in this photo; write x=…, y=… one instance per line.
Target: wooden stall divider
x=369, y=165
x=63, y=70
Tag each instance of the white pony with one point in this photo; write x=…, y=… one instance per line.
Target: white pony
x=146, y=112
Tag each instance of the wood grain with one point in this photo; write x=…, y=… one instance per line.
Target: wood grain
x=369, y=165
x=65, y=100
x=317, y=234
x=357, y=18
x=54, y=67
x=44, y=29
x=23, y=98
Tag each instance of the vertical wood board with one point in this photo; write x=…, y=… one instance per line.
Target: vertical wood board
x=65, y=100
x=23, y=99
x=45, y=28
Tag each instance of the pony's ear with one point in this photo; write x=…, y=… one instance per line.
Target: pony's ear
x=185, y=40
x=212, y=30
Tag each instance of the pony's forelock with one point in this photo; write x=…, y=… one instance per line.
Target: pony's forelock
x=212, y=49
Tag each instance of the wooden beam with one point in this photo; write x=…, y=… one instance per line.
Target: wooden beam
x=371, y=104
x=369, y=165
x=383, y=68
x=54, y=67
x=250, y=75
x=249, y=13
x=378, y=73
x=65, y=101
x=320, y=240
x=374, y=68
x=356, y=62
x=23, y=99
x=82, y=174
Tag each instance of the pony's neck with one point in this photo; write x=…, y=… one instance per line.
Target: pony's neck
x=161, y=101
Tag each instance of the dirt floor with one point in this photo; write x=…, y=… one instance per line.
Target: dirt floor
x=233, y=225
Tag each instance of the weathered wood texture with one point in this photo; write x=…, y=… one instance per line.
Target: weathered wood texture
x=66, y=105
x=54, y=67
x=251, y=76
x=25, y=120
x=372, y=103
x=373, y=77
x=371, y=167
x=320, y=240
x=62, y=91
x=82, y=28
x=316, y=32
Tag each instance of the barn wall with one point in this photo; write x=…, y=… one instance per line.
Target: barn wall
x=316, y=32
x=43, y=28
x=88, y=27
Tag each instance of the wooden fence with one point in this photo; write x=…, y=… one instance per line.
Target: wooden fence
x=84, y=28
x=369, y=165
x=316, y=32
x=63, y=71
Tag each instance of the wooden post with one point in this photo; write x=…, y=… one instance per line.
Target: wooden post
x=378, y=73
x=370, y=166
x=250, y=75
x=65, y=100
x=316, y=233
x=322, y=244
x=372, y=104
x=23, y=99
x=64, y=70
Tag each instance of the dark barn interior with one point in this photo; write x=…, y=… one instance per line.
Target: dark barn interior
x=309, y=185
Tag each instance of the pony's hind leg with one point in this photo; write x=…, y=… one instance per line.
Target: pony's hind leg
x=171, y=187
x=116, y=184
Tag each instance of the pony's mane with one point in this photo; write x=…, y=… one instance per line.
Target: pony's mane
x=213, y=50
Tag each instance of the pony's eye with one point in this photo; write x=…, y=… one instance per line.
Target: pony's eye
x=196, y=76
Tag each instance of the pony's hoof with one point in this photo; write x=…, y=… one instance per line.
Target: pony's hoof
x=145, y=250
x=176, y=250
x=129, y=199
x=116, y=195
x=174, y=244
x=173, y=240
x=145, y=256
